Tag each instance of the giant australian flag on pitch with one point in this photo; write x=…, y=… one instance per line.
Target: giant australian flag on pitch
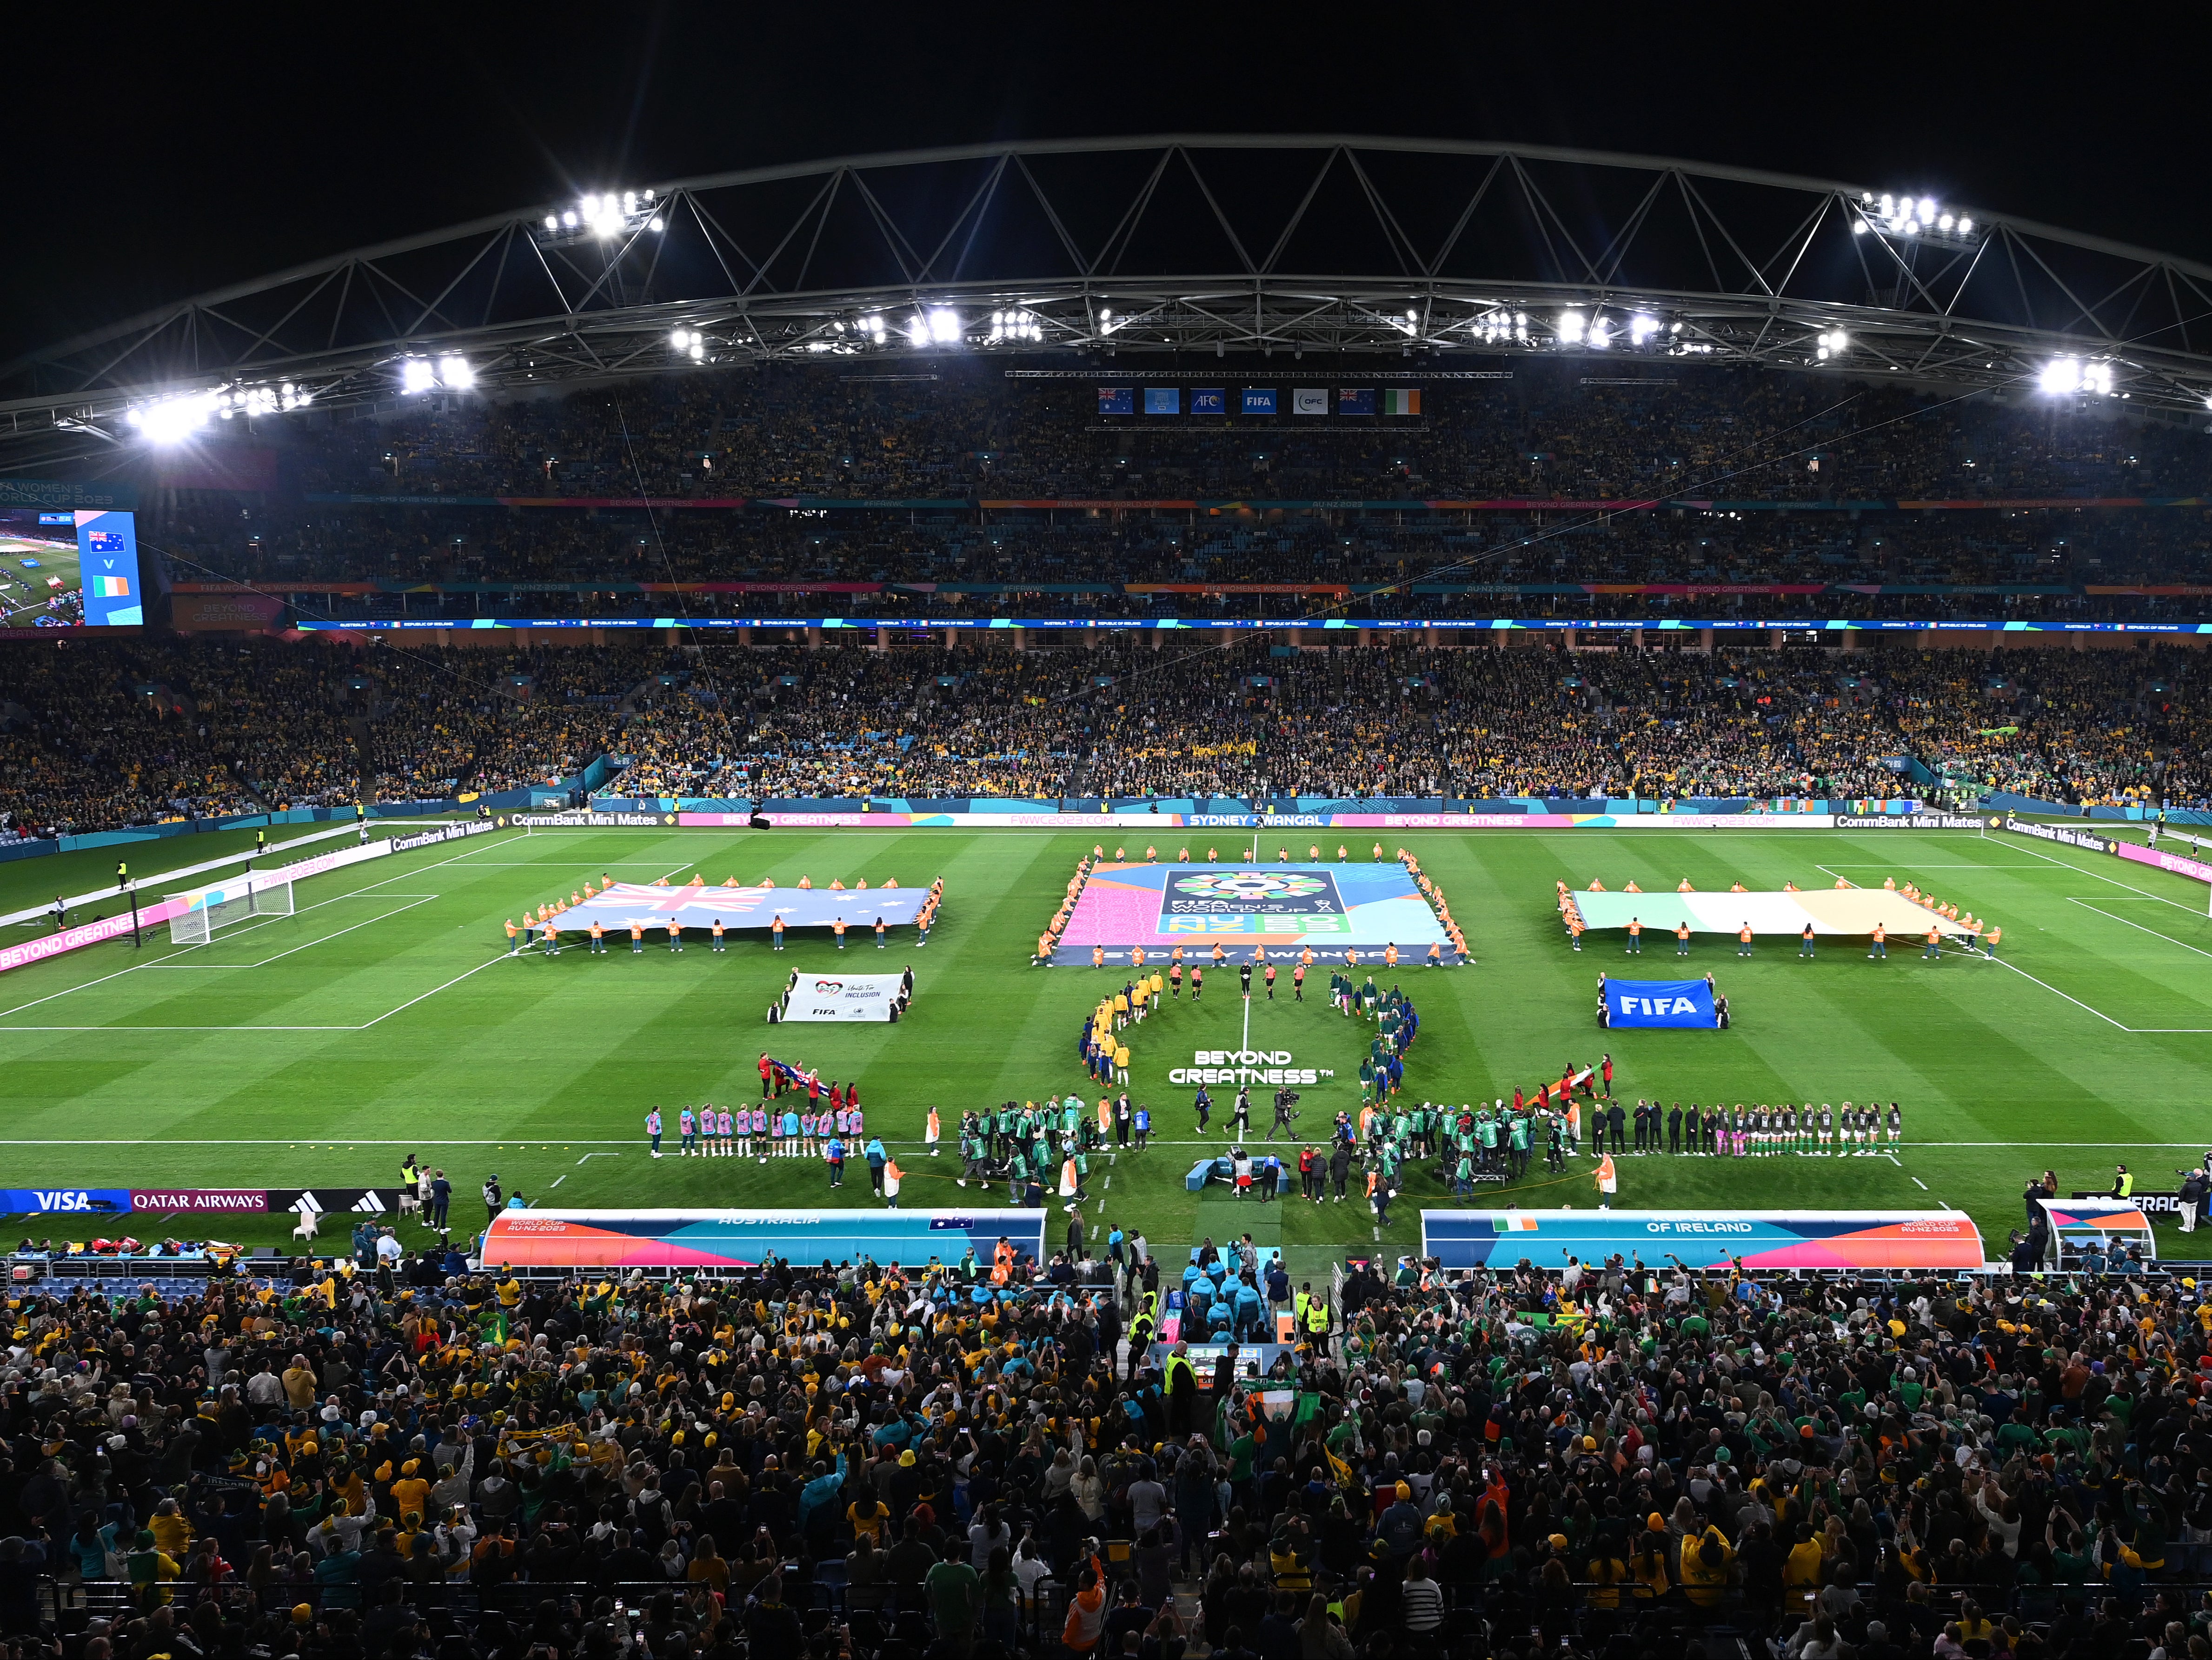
x=1659, y=1003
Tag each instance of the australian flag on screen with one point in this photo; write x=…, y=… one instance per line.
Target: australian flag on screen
x=1355, y=401
x=1209, y=400
x=1117, y=400
x=105, y=541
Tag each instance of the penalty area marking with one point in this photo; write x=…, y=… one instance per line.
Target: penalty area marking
x=2124, y=923
x=2137, y=1031
x=413, y=900
x=363, y=1026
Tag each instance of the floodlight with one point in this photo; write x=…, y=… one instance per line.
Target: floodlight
x=592, y=206
x=568, y=219
x=173, y=420
x=1927, y=208
x=1570, y=326
x=1601, y=332
x=679, y=338
x=2097, y=378
x=417, y=374
x=655, y=223
x=944, y=325
x=1887, y=205
x=455, y=371
x=1858, y=228
x=1641, y=327
x=2061, y=374
x=1965, y=228
x=552, y=221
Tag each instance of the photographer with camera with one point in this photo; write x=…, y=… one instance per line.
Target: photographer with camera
x=1285, y=1101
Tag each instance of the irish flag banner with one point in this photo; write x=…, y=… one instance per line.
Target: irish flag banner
x=1401, y=400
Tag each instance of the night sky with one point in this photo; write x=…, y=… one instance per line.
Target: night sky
x=166, y=156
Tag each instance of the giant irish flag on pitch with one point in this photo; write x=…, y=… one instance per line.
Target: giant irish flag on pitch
x=1401, y=400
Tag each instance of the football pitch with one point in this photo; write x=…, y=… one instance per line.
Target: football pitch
x=386, y=1016
x=53, y=572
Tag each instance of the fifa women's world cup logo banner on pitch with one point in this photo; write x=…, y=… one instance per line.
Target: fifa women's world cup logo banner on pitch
x=1210, y=901
x=1332, y=908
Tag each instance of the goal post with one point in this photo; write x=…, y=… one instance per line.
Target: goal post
x=206, y=910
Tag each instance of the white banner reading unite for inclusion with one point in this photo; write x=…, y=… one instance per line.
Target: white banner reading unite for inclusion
x=842, y=997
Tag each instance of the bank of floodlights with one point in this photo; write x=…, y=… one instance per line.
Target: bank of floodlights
x=1832, y=343
x=1498, y=327
x=451, y=373
x=1019, y=324
x=1920, y=217
x=172, y=419
x=939, y=325
x=687, y=342
x=2066, y=376
x=605, y=215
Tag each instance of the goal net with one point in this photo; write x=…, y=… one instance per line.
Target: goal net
x=208, y=910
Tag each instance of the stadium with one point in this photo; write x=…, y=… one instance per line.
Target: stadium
x=1224, y=653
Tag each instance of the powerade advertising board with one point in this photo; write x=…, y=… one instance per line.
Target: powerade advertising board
x=743, y=1238
x=1704, y=1239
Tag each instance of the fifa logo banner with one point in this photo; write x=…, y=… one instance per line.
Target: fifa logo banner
x=1660, y=1003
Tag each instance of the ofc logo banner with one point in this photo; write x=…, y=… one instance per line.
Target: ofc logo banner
x=1659, y=1003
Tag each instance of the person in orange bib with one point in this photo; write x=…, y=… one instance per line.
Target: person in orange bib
x=1098, y=957
x=1743, y=940
x=1681, y=938
x=1635, y=937
x=775, y=935
x=1935, y=943
x=1989, y=942
x=1879, y=946
x=636, y=935
x=1608, y=1183
x=837, y=928
x=514, y=933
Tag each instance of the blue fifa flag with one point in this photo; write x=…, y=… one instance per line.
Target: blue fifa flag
x=1163, y=400
x=1259, y=400
x=1660, y=1003
x=1355, y=401
x=1208, y=400
x=1117, y=400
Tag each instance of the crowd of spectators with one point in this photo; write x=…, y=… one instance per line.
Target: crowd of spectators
x=96, y=734
x=970, y=434
x=390, y=1459
x=969, y=431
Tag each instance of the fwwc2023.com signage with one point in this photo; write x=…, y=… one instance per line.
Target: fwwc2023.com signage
x=1247, y=1067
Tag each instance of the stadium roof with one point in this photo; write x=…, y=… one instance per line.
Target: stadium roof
x=1421, y=256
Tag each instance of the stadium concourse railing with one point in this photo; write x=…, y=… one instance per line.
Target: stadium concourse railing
x=1500, y=1609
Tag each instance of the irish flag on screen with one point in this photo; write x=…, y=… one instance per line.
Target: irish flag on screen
x=111, y=587
x=1401, y=400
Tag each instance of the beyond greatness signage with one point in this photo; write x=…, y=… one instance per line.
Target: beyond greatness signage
x=1247, y=1067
